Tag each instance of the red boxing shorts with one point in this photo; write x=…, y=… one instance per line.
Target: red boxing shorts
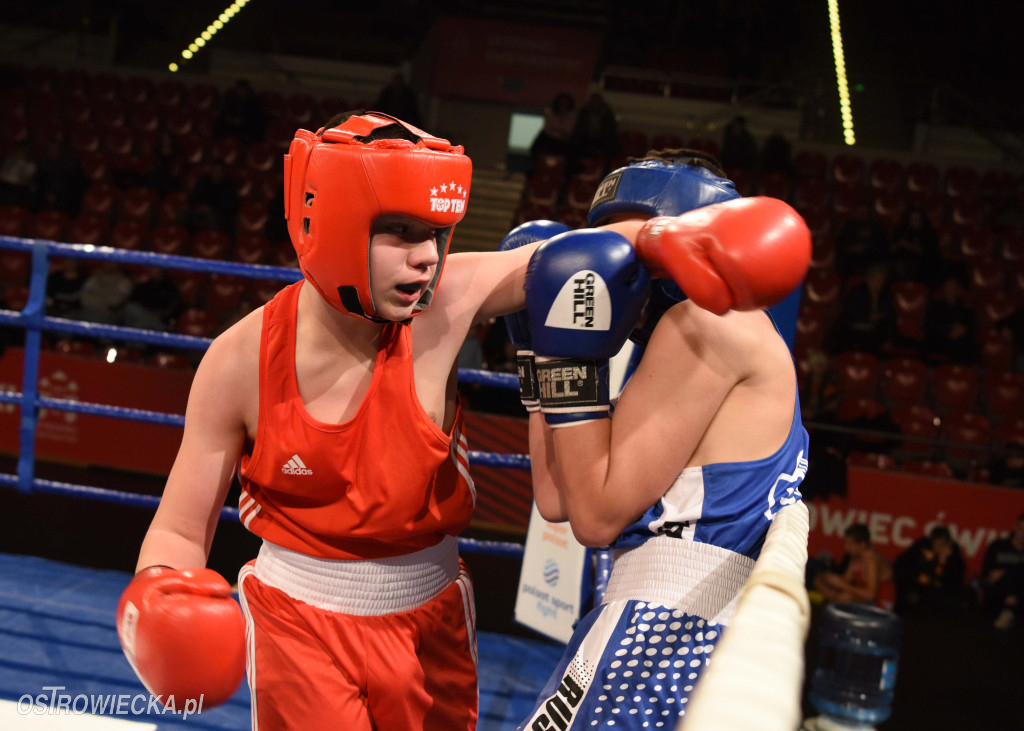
x=361, y=645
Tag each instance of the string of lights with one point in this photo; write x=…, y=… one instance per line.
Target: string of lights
x=207, y=35
x=845, y=108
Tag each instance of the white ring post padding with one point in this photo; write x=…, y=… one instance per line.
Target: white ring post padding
x=755, y=678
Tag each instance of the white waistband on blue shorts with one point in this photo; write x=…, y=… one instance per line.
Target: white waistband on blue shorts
x=369, y=587
x=696, y=578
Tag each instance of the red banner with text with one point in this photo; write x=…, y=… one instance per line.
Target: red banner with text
x=898, y=509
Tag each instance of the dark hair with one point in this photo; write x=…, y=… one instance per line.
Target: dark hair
x=390, y=132
x=940, y=531
x=684, y=156
x=858, y=532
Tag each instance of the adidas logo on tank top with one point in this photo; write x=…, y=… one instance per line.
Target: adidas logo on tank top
x=295, y=466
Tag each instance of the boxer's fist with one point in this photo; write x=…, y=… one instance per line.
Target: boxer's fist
x=585, y=292
x=743, y=254
x=518, y=323
x=184, y=634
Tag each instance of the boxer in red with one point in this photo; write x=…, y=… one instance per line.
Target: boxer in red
x=336, y=402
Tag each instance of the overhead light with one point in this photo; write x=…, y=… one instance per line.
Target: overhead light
x=207, y=35
x=846, y=111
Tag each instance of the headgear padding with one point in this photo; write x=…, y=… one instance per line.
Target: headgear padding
x=337, y=184
x=658, y=188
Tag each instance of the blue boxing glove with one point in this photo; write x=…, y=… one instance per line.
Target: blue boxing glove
x=585, y=292
x=517, y=323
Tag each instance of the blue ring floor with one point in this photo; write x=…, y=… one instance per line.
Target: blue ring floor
x=57, y=630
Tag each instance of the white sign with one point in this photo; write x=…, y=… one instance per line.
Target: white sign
x=551, y=580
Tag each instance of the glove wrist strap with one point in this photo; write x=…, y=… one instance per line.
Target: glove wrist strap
x=527, y=379
x=572, y=390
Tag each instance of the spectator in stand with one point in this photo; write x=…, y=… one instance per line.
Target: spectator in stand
x=164, y=175
x=1008, y=466
x=914, y=253
x=104, y=294
x=860, y=242
x=1002, y=578
x=596, y=132
x=153, y=301
x=930, y=575
x=399, y=100
x=241, y=114
x=866, y=576
x=18, y=177
x=951, y=324
x=867, y=314
x=64, y=287
x=739, y=148
x=213, y=202
x=60, y=180
x=819, y=397
x=559, y=121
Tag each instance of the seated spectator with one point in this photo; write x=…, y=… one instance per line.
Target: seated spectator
x=64, y=287
x=1002, y=578
x=164, y=175
x=860, y=241
x=739, y=148
x=1008, y=467
x=241, y=114
x=104, y=294
x=559, y=120
x=951, y=324
x=866, y=576
x=930, y=574
x=153, y=301
x=914, y=253
x=399, y=100
x=819, y=397
x=213, y=202
x=867, y=314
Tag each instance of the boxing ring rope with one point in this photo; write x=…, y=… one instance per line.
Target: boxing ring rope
x=34, y=321
x=755, y=680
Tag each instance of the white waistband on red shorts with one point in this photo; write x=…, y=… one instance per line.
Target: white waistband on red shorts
x=696, y=578
x=369, y=587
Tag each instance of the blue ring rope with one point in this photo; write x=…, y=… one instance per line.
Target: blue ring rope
x=34, y=321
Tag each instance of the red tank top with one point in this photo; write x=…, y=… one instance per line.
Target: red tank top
x=385, y=483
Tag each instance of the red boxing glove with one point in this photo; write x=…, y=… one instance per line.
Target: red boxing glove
x=743, y=254
x=184, y=635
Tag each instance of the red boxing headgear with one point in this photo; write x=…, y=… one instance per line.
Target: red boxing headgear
x=336, y=184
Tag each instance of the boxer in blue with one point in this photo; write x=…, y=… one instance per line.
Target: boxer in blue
x=705, y=444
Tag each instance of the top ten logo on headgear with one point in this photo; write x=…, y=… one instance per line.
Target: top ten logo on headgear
x=445, y=204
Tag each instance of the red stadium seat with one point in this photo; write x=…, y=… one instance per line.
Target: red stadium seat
x=885, y=173
x=16, y=297
x=987, y=275
x=822, y=288
x=261, y=291
x=967, y=428
x=920, y=424
x=252, y=218
x=171, y=240
x=139, y=204
x=1003, y=395
x=954, y=388
x=997, y=349
x=301, y=110
x=871, y=460
x=129, y=234
x=138, y=89
x=810, y=194
x=192, y=286
x=823, y=252
x=170, y=93
x=179, y=121
x=848, y=168
x=904, y=381
x=253, y=250
x=959, y=181
x=910, y=302
x=922, y=176
x=857, y=373
x=1011, y=246
x=15, y=221
x=211, y=245
x=1008, y=431
x=775, y=185
x=146, y=117
x=859, y=408
x=581, y=191
x=811, y=324
x=100, y=200
x=203, y=96
x=192, y=149
x=229, y=150
x=89, y=229
x=70, y=346
x=14, y=268
x=225, y=293
x=118, y=141
x=110, y=113
x=170, y=361
x=84, y=138
x=50, y=225
x=172, y=207
x=106, y=86
x=972, y=242
x=262, y=157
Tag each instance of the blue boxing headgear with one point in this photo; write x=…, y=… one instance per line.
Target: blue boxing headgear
x=658, y=187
